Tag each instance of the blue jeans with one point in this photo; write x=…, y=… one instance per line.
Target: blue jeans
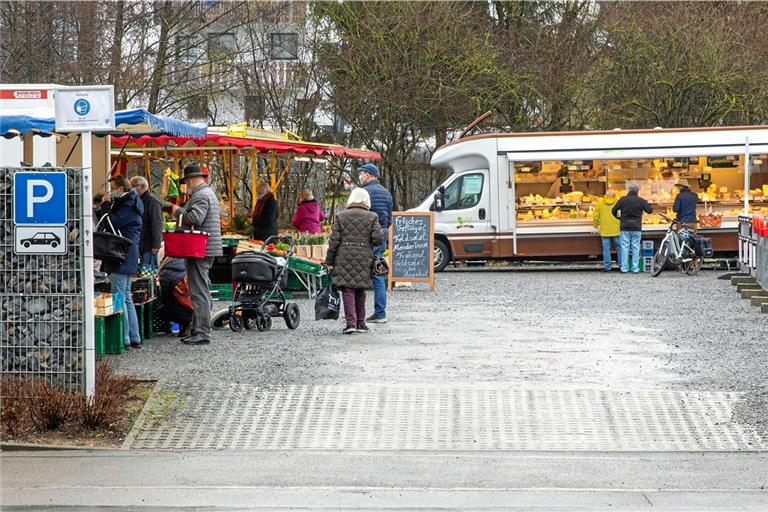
x=122, y=283
x=607, y=250
x=630, y=240
x=149, y=258
x=379, y=283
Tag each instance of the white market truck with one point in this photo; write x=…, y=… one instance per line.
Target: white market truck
x=531, y=195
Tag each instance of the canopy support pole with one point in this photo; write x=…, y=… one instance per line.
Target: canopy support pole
x=282, y=174
x=231, y=190
x=146, y=167
x=273, y=171
x=254, y=175
x=746, y=176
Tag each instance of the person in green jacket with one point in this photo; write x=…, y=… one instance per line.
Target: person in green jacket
x=608, y=225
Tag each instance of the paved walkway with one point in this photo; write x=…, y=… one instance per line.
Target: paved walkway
x=492, y=360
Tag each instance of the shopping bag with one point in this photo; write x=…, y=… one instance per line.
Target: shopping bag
x=379, y=267
x=111, y=247
x=185, y=244
x=328, y=303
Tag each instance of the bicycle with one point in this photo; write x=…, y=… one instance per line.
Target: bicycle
x=678, y=249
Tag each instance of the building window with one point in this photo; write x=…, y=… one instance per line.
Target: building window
x=254, y=107
x=285, y=46
x=197, y=107
x=221, y=45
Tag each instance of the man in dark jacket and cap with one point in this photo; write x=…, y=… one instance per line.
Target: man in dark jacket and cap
x=381, y=205
x=152, y=228
x=685, y=204
x=629, y=210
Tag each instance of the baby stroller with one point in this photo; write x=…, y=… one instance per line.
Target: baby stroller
x=257, y=297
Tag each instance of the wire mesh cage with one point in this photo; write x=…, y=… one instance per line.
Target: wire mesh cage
x=42, y=324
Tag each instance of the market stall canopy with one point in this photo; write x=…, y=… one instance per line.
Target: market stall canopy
x=219, y=142
x=15, y=125
x=138, y=121
x=134, y=122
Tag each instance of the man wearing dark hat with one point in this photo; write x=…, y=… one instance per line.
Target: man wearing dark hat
x=381, y=205
x=685, y=204
x=202, y=212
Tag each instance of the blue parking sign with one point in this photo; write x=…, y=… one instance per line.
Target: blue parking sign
x=40, y=198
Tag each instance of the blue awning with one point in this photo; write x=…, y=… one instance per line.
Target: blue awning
x=138, y=121
x=134, y=122
x=13, y=125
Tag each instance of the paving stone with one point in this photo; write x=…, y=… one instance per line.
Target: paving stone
x=407, y=417
x=748, y=294
x=750, y=286
x=735, y=280
x=759, y=300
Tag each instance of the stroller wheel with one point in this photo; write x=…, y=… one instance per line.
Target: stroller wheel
x=291, y=315
x=220, y=319
x=236, y=323
x=263, y=322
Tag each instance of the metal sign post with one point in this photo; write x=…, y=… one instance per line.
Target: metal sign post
x=85, y=109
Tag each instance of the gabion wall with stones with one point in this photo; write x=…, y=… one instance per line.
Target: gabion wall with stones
x=42, y=329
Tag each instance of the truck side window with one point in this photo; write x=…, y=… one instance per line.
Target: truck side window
x=464, y=192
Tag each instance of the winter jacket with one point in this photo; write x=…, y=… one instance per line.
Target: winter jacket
x=685, y=206
x=125, y=213
x=629, y=210
x=202, y=212
x=265, y=218
x=152, y=223
x=308, y=217
x=381, y=202
x=602, y=217
x=176, y=305
x=350, y=250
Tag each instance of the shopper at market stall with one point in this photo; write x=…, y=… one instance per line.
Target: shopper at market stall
x=685, y=204
x=629, y=210
x=356, y=231
x=125, y=212
x=308, y=214
x=152, y=225
x=202, y=212
x=264, y=215
x=175, y=301
x=608, y=226
x=381, y=205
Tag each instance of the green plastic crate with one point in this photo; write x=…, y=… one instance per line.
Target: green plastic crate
x=304, y=266
x=144, y=313
x=109, y=334
x=221, y=291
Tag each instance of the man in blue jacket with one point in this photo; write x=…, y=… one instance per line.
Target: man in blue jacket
x=685, y=204
x=381, y=205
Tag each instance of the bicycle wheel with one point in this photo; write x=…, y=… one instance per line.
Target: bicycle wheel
x=692, y=267
x=660, y=258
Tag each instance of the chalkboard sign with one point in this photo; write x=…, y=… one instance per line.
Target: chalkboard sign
x=411, y=243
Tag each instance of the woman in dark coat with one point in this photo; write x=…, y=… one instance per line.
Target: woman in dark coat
x=350, y=253
x=264, y=216
x=125, y=213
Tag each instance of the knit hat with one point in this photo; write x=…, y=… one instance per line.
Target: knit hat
x=370, y=169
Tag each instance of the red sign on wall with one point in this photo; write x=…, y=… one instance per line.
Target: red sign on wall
x=26, y=94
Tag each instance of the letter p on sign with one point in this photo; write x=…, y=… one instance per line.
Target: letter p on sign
x=40, y=198
x=32, y=199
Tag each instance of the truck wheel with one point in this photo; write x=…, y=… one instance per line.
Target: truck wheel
x=441, y=256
